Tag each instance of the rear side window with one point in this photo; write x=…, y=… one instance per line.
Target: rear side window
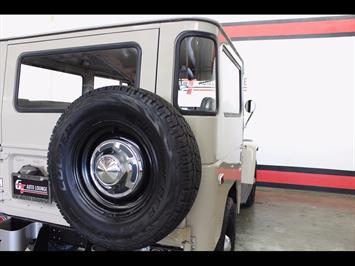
x=196, y=75
x=40, y=86
x=50, y=82
x=102, y=82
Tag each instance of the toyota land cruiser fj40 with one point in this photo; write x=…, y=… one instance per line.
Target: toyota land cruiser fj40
x=125, y=137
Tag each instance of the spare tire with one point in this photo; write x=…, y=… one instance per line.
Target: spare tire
x=124, y=167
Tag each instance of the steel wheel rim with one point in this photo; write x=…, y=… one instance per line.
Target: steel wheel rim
x=96, y=134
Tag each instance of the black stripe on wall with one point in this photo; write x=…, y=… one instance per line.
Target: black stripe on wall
x=307, y=188
x=321, y=171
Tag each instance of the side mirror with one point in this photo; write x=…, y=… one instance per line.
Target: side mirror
x=250, y=106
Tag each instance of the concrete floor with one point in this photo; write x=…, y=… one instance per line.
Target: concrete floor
x=283, y=219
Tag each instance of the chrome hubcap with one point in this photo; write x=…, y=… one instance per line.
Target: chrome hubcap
x=109, y=170
x=116, y=167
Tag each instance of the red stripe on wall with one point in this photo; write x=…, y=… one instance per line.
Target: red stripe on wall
x=306, y=179
x=291, y=28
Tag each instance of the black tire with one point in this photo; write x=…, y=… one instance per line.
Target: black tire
x=228, y=226
x=231, y=227
x=251, y=198
x=170, y=179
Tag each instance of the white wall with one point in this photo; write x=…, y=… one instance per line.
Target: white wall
x=304, y=88
x=305, y=95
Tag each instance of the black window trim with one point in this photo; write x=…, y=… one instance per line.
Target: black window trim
x=179, y=39
x=235, y=62
x=87, y=48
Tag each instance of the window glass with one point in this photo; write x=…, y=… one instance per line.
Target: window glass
x=103, y=82
x=230, y=84
x=53, y=81
x=48, y=85
x=197, y=75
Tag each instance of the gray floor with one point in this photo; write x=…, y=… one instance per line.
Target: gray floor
x=283, y=219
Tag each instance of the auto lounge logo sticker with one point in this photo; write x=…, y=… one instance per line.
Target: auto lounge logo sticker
x=30, y=188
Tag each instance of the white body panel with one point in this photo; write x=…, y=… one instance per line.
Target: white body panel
x=249, y=163
x=26, y=135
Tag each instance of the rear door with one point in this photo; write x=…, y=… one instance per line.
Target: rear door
x=230, y=115
x=45, y=75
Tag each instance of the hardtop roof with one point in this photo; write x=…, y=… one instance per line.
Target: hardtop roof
x=208, y=20
x=144, y=22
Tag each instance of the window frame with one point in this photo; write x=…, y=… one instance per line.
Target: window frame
x=178, y=42
x=90, y=48
x=235, y=62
